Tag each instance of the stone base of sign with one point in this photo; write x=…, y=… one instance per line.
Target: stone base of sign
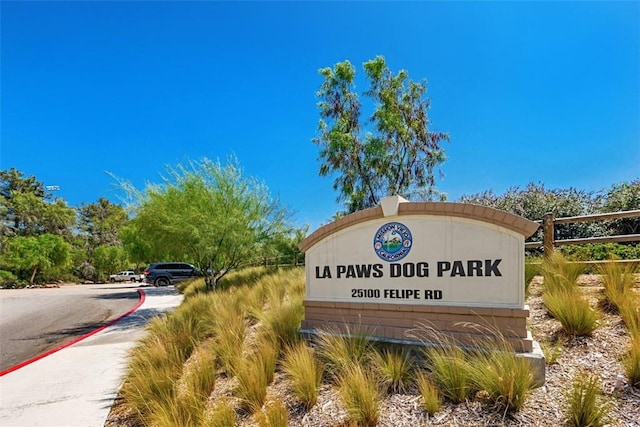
x=424, y=324
x=464, y=325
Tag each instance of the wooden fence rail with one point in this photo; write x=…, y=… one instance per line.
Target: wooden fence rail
x=548, y=224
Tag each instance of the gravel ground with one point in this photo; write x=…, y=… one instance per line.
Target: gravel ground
x=599, y=354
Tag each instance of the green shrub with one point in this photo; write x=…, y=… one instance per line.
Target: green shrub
x=601, y=251
x=304, y=372
x=360, y=395
x=8, y=280
x=585, y=408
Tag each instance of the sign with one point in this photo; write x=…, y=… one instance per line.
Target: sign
x=414, y=257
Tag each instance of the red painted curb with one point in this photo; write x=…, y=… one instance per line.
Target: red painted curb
x=75, y=340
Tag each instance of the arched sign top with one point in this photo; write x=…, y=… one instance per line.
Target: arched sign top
x=464, y=210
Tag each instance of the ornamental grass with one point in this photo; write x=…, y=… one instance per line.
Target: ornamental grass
x=359, y=390
x=618, y=281
x=340, y=350
x=586, y=406
x=631, y=362
x=304, y=371
x=395, y=368
x=572, y=311
x=430, y=395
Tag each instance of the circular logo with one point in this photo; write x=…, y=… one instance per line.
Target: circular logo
x=392, y=241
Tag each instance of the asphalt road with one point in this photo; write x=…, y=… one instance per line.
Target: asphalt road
x=33, y=321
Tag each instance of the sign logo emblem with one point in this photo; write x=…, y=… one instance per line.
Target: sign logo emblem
x=392, y=241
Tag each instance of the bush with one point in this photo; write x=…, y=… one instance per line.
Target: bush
x=8, y=280
x=601, y=251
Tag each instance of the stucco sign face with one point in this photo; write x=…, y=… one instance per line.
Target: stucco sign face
x=419, y=259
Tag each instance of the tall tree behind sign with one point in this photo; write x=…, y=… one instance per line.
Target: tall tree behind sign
x=390, y=152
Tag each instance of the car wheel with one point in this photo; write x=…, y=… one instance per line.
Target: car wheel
x=112, y=280
x=162, y=282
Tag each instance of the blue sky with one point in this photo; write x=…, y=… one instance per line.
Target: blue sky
x=528, y=91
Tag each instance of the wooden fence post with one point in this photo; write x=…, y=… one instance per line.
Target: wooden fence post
x=548, y=234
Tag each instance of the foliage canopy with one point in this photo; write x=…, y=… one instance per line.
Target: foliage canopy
x=392, y=151
x=209, y=214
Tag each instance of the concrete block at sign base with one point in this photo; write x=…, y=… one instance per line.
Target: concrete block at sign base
x=537, y=361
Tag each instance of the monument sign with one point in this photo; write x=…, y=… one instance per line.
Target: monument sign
x=390, y=268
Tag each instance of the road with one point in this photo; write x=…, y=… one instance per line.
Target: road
x=33, y=321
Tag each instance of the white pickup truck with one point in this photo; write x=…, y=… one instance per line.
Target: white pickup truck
x=126, y=276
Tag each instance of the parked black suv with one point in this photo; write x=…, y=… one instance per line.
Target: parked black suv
x=168, y=273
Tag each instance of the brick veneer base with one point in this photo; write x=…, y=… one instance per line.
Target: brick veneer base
x=465, y=325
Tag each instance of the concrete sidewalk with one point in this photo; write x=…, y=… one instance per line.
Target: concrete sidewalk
x=76, y=386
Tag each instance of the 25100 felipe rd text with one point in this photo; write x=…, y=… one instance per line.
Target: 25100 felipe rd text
x=397, y=293
x=467, y=268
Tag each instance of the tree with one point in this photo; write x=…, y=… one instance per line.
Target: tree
x=135, y=246
x=284, y=247
x=102, y=221
x=624, y=196
x=107, y=259
x=208, y=214
x=392, y=152
x=27, y=209
x=45, y=254
x=535, y=201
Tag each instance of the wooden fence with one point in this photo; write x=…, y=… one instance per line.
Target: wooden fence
x=548, y=231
